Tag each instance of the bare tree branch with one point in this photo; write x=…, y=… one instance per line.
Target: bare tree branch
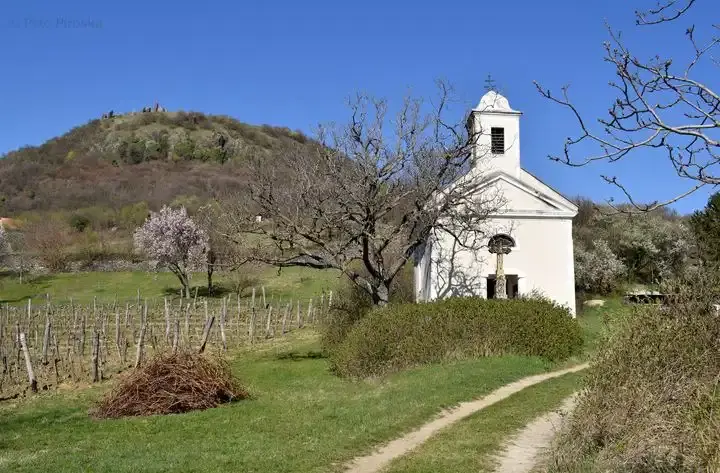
x=661, y=106
x=368, y=196
x=660, y=13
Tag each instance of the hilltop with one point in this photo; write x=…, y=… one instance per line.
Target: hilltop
x=150, y=157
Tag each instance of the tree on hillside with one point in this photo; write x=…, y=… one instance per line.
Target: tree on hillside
x=12, y=252
x=369, y=196
x=173, y=240
x=219, y=253
x=4, y=245
x=649, y=246
x=662, y=105
x=597, y=269
x=49, y=239
x=705, y=224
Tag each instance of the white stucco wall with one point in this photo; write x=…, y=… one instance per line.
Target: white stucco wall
x=543, y=260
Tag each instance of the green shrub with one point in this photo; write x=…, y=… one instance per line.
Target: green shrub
x=652, y=397
x=132, y=150
x=134, y=215
x=79, y=222
x=185, y=149
x=242, y=281
x=353, y=303
x=96, y=218
x=404, y=335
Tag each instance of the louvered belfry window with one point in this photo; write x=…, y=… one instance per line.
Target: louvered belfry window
x=497, y=140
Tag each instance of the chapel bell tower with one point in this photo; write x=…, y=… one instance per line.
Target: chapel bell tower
x=498, y=134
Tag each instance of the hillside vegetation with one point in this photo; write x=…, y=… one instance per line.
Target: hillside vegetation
x=615, y=248
x=151, y=157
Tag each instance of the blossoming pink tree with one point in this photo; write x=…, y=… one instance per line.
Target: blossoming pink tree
x=173, y=240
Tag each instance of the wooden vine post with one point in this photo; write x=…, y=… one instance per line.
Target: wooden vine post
x=141, y=338
x=268, y=324
x=46, y=340
x=223, y=316
x=28, y=363
x=96, y=357
x=206, y=333
x=167, y=320
x=285, y=316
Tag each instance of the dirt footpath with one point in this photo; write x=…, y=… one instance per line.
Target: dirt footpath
x=375, y=462
x=525, y=448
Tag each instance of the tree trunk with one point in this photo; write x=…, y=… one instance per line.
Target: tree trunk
x=211, y=258
x=184, y=281
x=381, y=294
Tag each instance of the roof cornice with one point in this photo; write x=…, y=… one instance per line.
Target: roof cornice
x=556, y=214
x=496, y=112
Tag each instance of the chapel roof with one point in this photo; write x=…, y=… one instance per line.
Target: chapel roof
x=493, y=101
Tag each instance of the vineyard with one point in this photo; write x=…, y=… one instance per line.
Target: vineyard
x=43, y=345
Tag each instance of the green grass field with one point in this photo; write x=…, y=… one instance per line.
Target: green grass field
x=106, y=286
x=301, y=418
x=595, y=321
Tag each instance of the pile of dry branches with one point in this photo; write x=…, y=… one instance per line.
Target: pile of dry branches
x=172, y=383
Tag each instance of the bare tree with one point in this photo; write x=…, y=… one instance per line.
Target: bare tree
x=218, y=254
x=662, y=104
x=14, y=254
x=370, y=195
x=4, y=243
x=49, y=240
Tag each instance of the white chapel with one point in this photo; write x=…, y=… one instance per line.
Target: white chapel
x=529, y=245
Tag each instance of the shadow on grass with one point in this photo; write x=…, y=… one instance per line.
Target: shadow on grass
x=48, y=416
x=298, y=356
x=32, y=287
x=202, y=291
x=28, y=278
x=14, y=301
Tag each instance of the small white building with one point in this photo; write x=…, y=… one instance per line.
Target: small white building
x=533, y=225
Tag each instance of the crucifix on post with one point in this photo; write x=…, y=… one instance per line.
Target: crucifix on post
x=500, y=245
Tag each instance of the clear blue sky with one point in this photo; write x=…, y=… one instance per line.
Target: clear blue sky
x=293, y=64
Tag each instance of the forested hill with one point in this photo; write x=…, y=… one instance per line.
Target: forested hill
x=146, y=156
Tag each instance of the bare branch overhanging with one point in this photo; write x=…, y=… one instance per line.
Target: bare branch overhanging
x=660, y=105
